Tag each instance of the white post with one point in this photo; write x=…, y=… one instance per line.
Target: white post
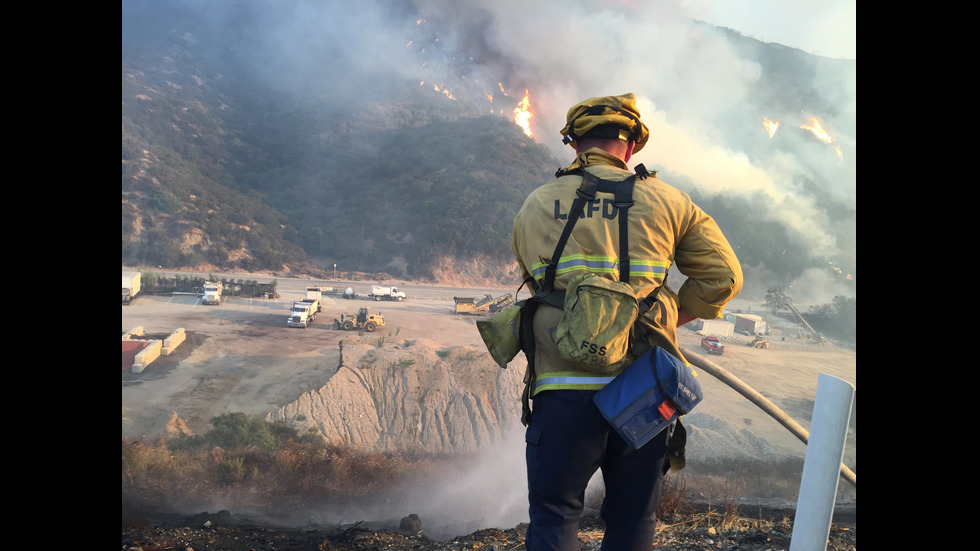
x=822, y=466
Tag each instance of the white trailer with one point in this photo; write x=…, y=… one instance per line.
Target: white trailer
x=715, y=327
x=131, y=285
x=314, y=295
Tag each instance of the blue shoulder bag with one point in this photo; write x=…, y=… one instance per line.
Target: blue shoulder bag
x=648, y=396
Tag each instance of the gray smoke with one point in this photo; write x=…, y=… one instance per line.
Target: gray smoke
x=704, y=96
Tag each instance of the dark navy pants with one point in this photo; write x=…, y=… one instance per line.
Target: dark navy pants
x=567, y=440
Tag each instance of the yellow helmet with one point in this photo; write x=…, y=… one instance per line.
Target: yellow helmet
x=606, y=117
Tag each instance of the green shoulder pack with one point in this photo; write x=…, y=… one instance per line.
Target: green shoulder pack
x=595, y=329
x=502, y=334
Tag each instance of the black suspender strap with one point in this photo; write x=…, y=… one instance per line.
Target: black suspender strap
x=584, y=194
x=623, y=201
x=623, y=191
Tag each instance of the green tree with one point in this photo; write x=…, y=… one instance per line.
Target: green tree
x=776, y=299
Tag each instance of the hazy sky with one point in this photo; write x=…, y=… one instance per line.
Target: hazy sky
x=822, y=27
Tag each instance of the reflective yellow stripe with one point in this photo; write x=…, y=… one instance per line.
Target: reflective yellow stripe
x=602, y=265
x=569, y=380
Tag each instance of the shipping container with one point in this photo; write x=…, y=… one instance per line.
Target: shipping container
x=750, y=324
x=718, y=328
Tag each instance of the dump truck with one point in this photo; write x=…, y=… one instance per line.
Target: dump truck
x=387, y=293
x=131, y=285
x=212, y=292
x=314, y=295
x=485, y=307
x=362, y=319
x=302, y=314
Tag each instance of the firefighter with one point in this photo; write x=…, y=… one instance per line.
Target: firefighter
x=567, y=439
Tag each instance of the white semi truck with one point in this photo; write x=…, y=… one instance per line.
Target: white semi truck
x=302, y=313
x=212, y=292
x=387, y=293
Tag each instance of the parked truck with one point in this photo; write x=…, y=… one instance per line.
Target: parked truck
x=387, y=293
x=212, y=292
x=363, y=319
x=301, y=314
x=712, y=345
x=314, y=295
x=486, y=306
x=131, y=285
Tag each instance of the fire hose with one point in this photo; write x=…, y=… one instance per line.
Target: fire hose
x=758, y=399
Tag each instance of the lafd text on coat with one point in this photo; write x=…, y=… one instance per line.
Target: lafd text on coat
x=606, y=208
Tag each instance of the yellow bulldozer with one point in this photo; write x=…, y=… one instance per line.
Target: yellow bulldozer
x=362, y=320
x=760, y=342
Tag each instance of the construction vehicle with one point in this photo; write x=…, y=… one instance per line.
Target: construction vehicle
x=362, y=320
x=387, y=293
x=488, y=305
x=760, y=342
x=212, y=292
x=131, y=285
x=349, y=293
x=810, y=332
x=302, y=314
x=314, y=295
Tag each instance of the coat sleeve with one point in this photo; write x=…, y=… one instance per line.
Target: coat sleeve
x=517, y=238
x=714, y=275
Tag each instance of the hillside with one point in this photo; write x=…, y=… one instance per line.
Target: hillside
x=252, y=143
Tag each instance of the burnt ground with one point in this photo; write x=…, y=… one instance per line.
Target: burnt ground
x=704, y=528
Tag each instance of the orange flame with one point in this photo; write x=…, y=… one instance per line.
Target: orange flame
x=817, y=130
x=445, y=92
x=822, y=135
x=522, y=114
x=771, y=126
